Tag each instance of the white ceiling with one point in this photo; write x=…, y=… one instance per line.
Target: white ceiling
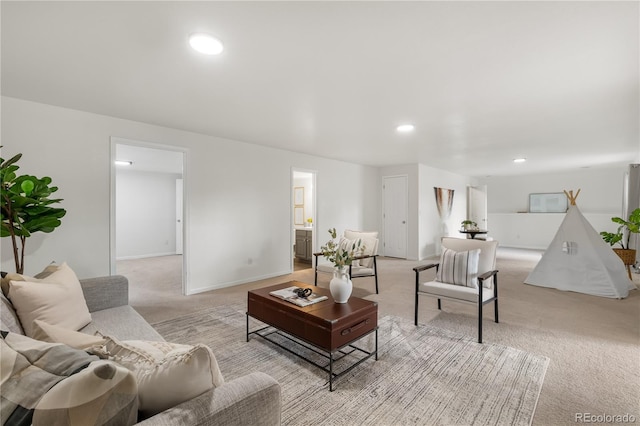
x=483, y=82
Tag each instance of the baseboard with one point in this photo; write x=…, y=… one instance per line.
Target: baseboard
x=145, y=256
x=234, y=283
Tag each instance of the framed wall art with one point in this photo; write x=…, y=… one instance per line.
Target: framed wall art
x=551, y=202
x=298, y=215
x=298, y=196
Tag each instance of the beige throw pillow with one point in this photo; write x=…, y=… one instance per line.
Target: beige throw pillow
x=56, y=300
x=369, y=242
x=351, y=245
x=167, y=373
x=6, y=281
x=55, y=334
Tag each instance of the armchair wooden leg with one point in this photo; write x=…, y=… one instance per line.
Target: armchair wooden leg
x=439, y=305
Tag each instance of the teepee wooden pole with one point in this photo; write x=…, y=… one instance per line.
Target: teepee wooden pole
x=572, y=198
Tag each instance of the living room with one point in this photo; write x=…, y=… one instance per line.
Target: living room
x=238, y=226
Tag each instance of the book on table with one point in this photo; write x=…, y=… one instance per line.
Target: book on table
x=289, y=295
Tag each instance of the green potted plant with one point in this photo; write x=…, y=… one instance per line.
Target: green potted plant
x=25, y=207
x=338, y=255
x=469, y=225
x=623, y=235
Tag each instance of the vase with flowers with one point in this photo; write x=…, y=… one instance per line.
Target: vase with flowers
x=341, y=254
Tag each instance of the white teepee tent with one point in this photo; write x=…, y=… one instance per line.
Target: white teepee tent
x=579, y=260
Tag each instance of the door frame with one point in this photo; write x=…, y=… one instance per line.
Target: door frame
x=114, y=141
x=292, y=226
x=384, y=219
x=472, y=209
x=180, y=211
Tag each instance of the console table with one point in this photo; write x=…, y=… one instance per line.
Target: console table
x=473, y=233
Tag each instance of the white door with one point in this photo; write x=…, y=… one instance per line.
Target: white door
x=179, y=209
x=477, y=205
x=395, y=205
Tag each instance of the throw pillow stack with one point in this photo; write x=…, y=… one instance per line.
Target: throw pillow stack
x=51, y=308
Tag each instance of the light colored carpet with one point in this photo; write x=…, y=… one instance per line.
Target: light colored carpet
x=593, y=343
x=424, y=375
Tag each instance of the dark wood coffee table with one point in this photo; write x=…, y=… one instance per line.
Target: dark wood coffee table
x=326, y=327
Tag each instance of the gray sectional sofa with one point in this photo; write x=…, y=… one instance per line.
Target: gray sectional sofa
x=253, y=399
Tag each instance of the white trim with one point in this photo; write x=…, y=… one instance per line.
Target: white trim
x=147, y=256
x=314, y=213
x=406, y=209
x=238, y=282
x=114, y=141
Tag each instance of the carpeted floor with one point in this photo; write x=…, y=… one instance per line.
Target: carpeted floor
x=423, y=375
x=593, y=343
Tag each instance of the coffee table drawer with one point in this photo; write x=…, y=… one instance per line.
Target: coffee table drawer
x=345, y=332
x=326, y=334
x=281, y=318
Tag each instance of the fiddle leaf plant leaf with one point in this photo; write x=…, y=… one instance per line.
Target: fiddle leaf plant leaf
x=27, y=186
x=26, y=207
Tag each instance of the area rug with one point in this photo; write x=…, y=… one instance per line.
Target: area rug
x=424, y=375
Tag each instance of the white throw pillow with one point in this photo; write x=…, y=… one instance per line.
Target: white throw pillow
x=348, y=245
x=459, y=268
x=56, y=300
x=369, y=241
x=55, y=334
x=167, y=373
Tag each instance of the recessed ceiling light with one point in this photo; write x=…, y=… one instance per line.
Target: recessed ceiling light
x=123, y=163
x=519, y=160
x=405, y=128
x=206, y=44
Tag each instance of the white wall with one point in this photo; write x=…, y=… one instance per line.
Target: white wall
x=600, y=198
x=145, y=213
x=238, y=195
x=431, y=225
x=424, y=224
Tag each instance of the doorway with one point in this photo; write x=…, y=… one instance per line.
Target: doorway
x=303, y=218
x=147, y=216
x=477, y=205
x=395, y=210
